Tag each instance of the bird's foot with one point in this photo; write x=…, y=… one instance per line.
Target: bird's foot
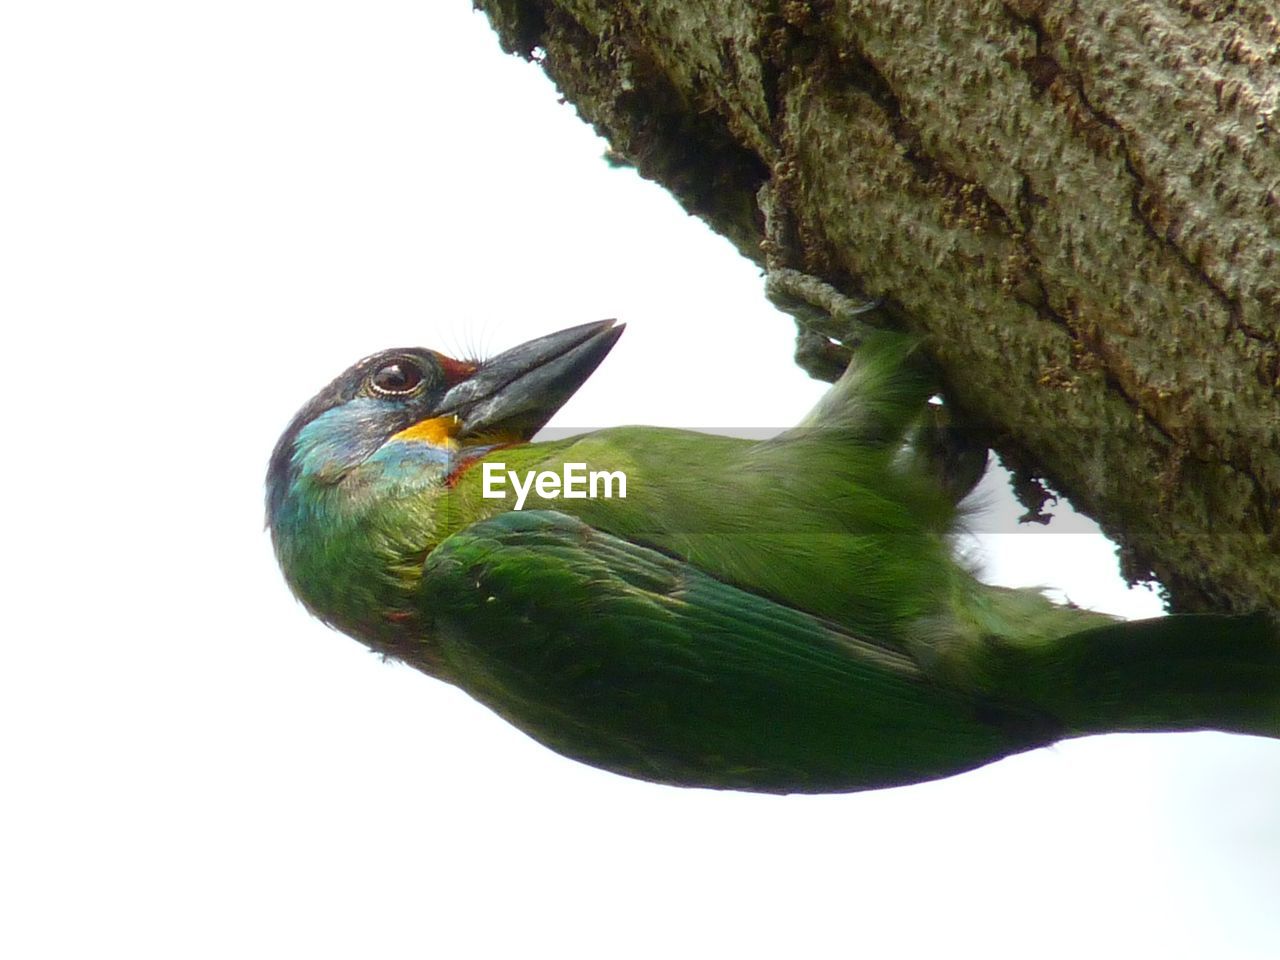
x=827, y=322
x=818, y=306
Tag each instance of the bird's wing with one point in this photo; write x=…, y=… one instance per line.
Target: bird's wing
x=623, y=657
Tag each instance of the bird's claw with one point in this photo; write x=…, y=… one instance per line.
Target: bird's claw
x=827, y=320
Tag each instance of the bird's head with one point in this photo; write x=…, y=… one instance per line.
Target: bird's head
x=426, y=398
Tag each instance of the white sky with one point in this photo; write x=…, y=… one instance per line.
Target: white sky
x=206, y=212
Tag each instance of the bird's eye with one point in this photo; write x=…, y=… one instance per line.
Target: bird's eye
x=396, y=377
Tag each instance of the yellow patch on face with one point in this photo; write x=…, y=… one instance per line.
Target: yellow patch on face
x=438, y=431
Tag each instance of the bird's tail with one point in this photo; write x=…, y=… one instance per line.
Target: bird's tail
x=1181, y=672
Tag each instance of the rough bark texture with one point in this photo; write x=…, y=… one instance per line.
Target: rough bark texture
x=1077, y=203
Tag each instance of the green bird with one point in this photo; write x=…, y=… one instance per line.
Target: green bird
x=784, y=615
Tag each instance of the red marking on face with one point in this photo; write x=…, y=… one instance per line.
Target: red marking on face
x=465, y=463
x=455, y=371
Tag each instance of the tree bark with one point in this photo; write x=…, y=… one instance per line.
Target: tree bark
x=1076, y=203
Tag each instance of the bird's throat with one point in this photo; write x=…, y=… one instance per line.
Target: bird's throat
x=437, y=431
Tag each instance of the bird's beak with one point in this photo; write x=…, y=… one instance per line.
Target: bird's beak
x=517, y=392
